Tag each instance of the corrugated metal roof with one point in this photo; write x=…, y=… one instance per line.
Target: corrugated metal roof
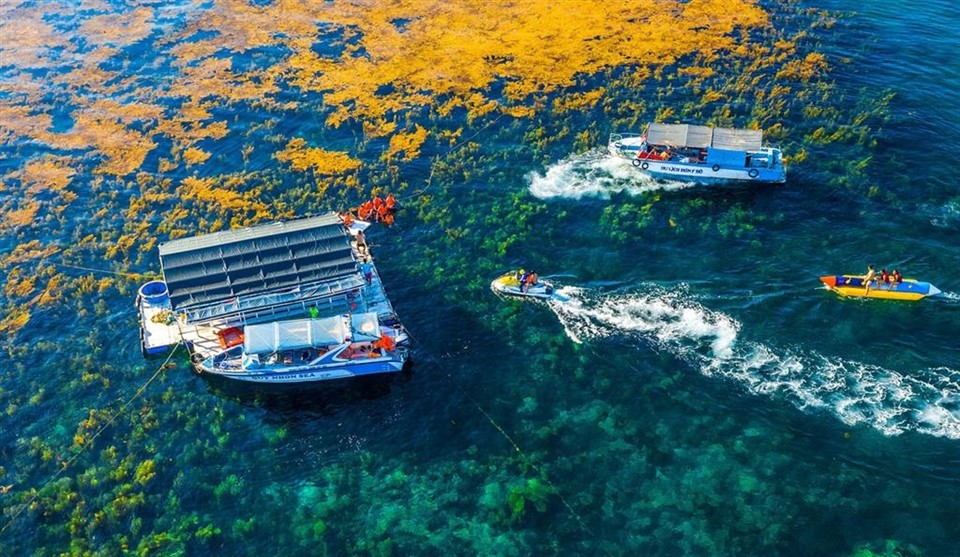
x=209, y=269
x=687, y=135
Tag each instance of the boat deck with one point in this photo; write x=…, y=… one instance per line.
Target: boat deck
x=202, y=339
x=158, y=328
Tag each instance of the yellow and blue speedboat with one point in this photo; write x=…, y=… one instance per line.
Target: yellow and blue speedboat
x=907, y=289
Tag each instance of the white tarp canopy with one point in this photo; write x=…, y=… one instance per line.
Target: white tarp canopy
x=365, y=326
x=704, y=137
x=292, y=335
x=737, y=140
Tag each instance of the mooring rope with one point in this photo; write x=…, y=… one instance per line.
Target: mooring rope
x=462, y=144
x=529, y=462
x=519, y=450
x=89, y=442
x=107, y=271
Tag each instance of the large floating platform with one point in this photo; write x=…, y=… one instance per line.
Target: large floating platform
x=222, y=291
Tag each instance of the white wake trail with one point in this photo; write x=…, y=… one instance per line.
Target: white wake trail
x=891, y=401
x=595, y=174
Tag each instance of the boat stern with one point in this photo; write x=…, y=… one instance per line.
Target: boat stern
x=625, y=145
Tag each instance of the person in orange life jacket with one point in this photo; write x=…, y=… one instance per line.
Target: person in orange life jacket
x=884, y=276
x=347, y=219
x=532, y=279
x=386, y=342
x=377, y=207
x=387, y=220
x=896, y=277
x=366, y=208
x=391, y=202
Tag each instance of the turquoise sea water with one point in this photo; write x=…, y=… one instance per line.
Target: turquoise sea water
x=698, y=393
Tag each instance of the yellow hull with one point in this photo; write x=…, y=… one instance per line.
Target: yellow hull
x=878, y=292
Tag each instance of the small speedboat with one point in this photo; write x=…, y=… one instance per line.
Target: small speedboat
x=907, y=289
x=509, y=283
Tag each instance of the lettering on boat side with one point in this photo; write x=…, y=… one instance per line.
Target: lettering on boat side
x=287, y=376
x=682, y=169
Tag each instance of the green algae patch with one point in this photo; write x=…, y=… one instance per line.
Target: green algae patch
x=370, y=69
x=278, y=109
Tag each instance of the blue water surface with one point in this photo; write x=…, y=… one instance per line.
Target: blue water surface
x=697, y=391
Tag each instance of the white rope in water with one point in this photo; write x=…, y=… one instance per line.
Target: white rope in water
x=89, y=442
x=118, y=273
x=526, y=459
x=531, y=463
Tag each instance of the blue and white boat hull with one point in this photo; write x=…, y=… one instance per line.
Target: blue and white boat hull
x=700, y=154
x=697, y=172
x=232, y=364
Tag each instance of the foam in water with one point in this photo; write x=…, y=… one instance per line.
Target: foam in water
x=952, y=296
x=943, y=216
x=890, y=401
x=595, y=174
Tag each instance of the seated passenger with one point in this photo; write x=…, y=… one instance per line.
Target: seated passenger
x=884, y=276
x=896, y=278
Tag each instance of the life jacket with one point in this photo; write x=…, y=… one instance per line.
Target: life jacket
x=391, y=201
x=365, y=209
x=386, y=342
